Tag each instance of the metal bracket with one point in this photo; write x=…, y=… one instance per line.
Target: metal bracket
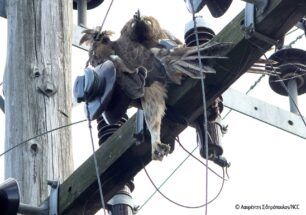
x=123, y=197
x=301, y=24
x=2, y=102
x=140, y=127
x=256, y=6
x=53, y=199
x=264, y=112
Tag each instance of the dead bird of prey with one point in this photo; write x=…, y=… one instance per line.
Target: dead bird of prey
x=139, y=48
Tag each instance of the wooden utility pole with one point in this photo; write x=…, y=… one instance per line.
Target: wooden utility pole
x=37, y=94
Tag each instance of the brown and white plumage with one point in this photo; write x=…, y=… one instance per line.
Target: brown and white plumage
x=139, y=47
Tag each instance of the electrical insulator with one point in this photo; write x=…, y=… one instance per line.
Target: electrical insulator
x=290, y=67
x=205, y=33
x=90, y=3
x=215, y=129
x=106, y=130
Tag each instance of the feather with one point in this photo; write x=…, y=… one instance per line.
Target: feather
x=138, y=49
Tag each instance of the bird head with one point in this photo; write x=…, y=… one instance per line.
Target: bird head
x=92, y=36
x=100, y=45
x=142, y=28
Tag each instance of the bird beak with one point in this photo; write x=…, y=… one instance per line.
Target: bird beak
x=137, y=16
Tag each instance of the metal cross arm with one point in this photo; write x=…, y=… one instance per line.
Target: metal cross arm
x=264, y=112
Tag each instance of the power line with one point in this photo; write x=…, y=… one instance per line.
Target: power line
x=290, y=96
x=190, y=153
x=172, y=173
x=95, y=160
x=204, y=104
x=282, y=83
x=165, y=181
x=252, y=87
x=179, y=204
x=290, y=32
x=296, y=39
x=39, y=135
x=276, y=74
x=107, y=12
x=90, y=129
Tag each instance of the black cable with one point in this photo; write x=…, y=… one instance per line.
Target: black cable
x=179, y=204
x=276, y=74
x=296, y=39
x=107, y=12
x=290, y=32
x=204, y=103
x=169, y=176
x=44, y=133
x=188, y=152
x=95, y=161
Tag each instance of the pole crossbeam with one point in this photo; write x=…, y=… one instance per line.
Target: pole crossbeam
x=119, y=159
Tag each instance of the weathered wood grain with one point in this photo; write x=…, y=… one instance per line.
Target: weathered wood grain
x=37, y=90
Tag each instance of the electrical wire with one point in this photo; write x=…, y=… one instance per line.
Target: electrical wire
x=204, y=104
x=179, y=204
x=166, y=180
x=297, y=39
x=190, y=153
x=290, y=32
x=252, y=87
x=107, y=12
x=290, y=96
x=276, y=74
x=290, y=78
x=95, y=161
x=282, y=83
x=39, y=135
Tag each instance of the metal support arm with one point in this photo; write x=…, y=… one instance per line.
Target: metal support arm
x=47, y=208
x=257, y=6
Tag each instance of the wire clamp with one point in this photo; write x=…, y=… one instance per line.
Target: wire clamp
x=252, y=7
x=139, y=134
x=123, y=198
x=53, y=198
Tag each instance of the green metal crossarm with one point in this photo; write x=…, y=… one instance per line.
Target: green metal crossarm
x=119, y=159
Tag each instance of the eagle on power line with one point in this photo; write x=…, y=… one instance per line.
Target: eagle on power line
x=139, y=48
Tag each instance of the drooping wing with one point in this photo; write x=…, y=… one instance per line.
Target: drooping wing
x=184, y=60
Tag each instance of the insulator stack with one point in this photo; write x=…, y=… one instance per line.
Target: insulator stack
x=291, y=68
x=122, y=201
x=215, y=150
x=205, y=33
x=105, y=130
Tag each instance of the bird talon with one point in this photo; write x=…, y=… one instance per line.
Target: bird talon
x=159, y=150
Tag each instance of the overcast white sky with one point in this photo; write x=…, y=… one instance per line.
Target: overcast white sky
x=267, y=163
